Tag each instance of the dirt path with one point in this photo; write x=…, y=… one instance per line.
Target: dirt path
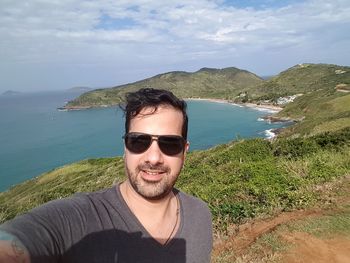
x=303, y=247
x=308, y=248
x=248, y=233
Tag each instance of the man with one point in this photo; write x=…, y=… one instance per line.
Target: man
x=144, y=219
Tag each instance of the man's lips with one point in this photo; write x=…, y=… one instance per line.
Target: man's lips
x=152, y=175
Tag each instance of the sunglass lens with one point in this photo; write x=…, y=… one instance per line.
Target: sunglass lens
x=171, y=145
x=137, y=143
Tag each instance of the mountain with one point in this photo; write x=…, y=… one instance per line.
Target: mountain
x=224, y=83
x=325, y=103
x=79, y=89
x=303, y=78
x=317, y=111
x=11, y=93
x=228, y=83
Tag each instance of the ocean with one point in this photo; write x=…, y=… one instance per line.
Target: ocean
x=35, y=137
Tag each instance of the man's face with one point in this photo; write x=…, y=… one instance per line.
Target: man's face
x=153, y=174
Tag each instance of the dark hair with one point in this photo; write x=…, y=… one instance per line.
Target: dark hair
x=148, y=97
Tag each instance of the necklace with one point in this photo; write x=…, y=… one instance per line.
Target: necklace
x=177, y=219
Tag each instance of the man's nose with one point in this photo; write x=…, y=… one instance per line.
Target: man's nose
x=153, y=154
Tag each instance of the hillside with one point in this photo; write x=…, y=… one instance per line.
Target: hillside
x=243, y=181
x=304, y=78
x=317, y=112
x=11, y=93
x=206, y=83
x=239, y=180
x=322, y=103
x=229, y=83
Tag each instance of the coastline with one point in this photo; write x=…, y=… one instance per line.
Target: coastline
x=270, y=133
x=268, y=108
x=265, y=107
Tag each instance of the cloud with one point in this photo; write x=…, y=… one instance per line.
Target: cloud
x=148, y=35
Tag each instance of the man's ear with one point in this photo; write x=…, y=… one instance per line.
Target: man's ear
x=187, y=146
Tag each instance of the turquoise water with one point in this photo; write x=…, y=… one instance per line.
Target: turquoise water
x=35, y=137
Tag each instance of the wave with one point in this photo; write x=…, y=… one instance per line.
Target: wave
x=269, y=134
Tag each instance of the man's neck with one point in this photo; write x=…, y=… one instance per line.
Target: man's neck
x=159, y=217
x=140, y=205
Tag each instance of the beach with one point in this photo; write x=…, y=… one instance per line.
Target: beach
x=263, y=107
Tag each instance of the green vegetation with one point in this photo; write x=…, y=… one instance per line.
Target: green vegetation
x=206, y=83
x=230, y=84
x=243, y=179
x=304, y=78
x=239, y=180
x=331, y=224
x=324, y=105
x=84, y=176
x=317, y=112
x=318, y=230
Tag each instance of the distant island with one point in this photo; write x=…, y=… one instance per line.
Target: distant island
x=11, y=93
x=79, y=89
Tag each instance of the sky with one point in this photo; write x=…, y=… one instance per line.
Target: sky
x=59, y=44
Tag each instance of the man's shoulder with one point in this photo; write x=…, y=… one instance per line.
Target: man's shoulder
x=78, y=201
x=107, y=193
x=192, y=203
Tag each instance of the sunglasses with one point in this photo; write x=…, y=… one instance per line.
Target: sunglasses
x=137, y=142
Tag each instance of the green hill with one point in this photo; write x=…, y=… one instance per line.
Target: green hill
x=227, y=83
x=317, y=112
x=206, y=83
x=325, y=103
x=239, y=180
x=304, y=78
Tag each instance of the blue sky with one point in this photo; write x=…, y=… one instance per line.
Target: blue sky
x=59, y=44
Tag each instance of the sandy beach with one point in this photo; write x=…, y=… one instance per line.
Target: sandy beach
x=264, y=106
x=267, y=108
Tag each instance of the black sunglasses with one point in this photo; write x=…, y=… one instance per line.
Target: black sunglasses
x=137, y=142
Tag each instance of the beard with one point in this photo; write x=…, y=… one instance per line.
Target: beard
x=152, y=190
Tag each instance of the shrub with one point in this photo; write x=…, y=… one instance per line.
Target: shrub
x=294, y=148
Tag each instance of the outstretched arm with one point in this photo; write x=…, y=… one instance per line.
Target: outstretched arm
x=12, y=250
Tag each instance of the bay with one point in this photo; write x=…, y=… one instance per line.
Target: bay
x=35, y=137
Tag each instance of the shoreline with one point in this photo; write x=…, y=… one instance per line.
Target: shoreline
x=270, y=134
x=265, y=107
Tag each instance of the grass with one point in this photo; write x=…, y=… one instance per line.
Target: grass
x=239, y=180
x=304, y=78
x=320, y=111
x=332, y=222
x=326, y=226
x=206, y=83
x=229, y=83
x=84, y=176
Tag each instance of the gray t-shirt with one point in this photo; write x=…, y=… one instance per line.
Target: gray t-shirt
x=100, y=227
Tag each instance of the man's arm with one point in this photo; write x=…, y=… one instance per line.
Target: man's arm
x=12, y=250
